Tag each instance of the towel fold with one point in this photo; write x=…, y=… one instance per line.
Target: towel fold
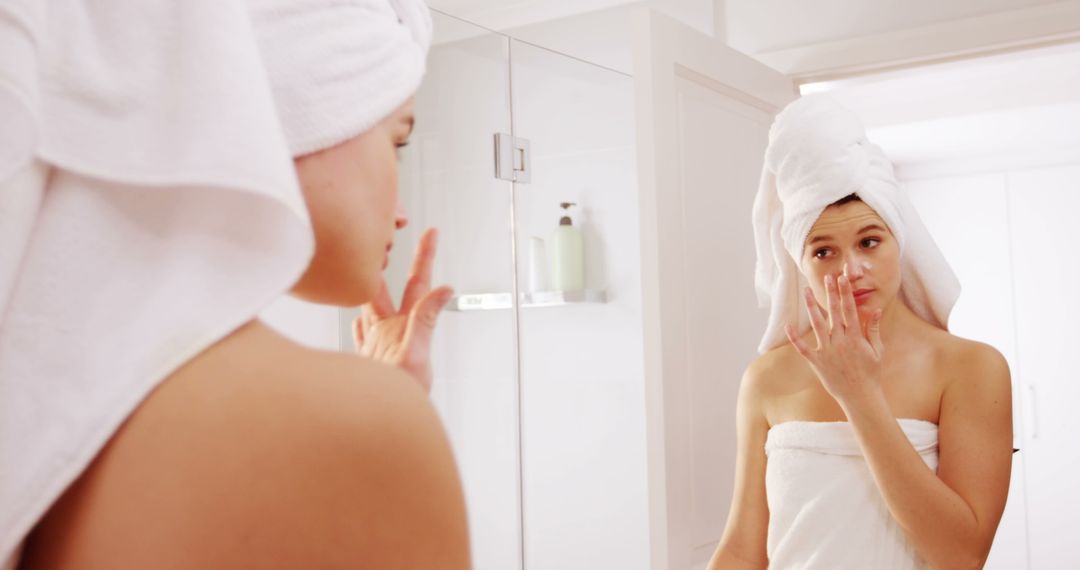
x=818, y=153
x=337, y=67
x=148, y=207
x=825, y=510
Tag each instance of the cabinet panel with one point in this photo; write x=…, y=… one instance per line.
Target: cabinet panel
x=1043, y=206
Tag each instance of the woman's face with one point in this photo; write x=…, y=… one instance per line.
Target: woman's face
x=851, y=239
x=351, y=191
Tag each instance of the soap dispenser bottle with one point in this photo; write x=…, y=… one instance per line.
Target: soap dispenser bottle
x=567, y=254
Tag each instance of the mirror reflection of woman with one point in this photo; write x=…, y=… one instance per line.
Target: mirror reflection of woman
x=868, y=435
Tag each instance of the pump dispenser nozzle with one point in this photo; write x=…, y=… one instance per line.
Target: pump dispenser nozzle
x=565, y=220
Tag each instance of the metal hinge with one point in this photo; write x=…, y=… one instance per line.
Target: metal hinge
x=513, y=161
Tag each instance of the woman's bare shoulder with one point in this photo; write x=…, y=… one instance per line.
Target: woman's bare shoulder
x=259, y=437
x=777, y=368
x=969, y=361
x=772, y=376
x=273, y=371
x=258, y=350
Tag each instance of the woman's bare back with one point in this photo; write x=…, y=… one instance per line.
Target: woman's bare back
x=263, y=453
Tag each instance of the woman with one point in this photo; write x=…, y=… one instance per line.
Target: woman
x=868, y=435
x=172, y=428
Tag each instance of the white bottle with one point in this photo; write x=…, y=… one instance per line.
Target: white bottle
x=538, y=265
x=567, y=254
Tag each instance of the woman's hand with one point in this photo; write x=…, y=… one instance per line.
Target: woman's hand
x=402, y=337
x=847, y=359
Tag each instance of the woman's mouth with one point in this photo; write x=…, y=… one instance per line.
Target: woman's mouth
x=862, y=295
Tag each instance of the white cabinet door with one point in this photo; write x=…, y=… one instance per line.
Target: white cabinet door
x=1042, y=207
x=703, y=112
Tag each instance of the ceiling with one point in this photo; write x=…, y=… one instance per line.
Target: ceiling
x=501, y=15
x=1005, y=105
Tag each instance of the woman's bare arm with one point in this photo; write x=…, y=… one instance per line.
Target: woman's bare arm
x=743, y=543
x=950, y=517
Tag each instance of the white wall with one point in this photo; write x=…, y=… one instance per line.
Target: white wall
x=307, y=323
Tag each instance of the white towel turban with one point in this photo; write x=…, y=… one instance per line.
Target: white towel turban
x=148, y=200
x=818, y=153
x=338, y=67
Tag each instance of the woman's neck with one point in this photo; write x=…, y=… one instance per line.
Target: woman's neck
x=898, y=321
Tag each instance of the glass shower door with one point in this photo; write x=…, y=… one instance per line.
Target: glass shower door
x=582, y=377
x=447, y=182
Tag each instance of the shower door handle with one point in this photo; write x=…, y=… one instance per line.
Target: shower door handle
x=513, y=158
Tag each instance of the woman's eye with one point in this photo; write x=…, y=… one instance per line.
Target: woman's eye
x=398, y=147
x=822, y=253
x=870, y=242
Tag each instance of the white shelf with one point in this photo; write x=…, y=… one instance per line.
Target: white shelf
x=497, y=301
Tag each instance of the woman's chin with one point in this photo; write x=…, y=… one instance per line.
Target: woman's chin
x=866, y=312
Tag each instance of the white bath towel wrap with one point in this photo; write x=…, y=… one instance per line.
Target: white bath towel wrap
x=825, y=511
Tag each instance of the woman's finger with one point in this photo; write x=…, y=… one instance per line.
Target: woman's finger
x=847, y=305
x=817, y=318
x=832, y=296
x=421, y=325
x=358, y=331
x=874, y=333
x=381, y=306
x=419, y=331
x=367, y=318
x=420, y=275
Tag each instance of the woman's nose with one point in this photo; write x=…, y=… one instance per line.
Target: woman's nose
x=854, y=268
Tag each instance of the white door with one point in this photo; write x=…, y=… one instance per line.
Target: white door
x=703, y=112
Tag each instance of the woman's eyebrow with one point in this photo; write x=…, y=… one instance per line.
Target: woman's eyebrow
x=825, y=237
x=411, y=121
